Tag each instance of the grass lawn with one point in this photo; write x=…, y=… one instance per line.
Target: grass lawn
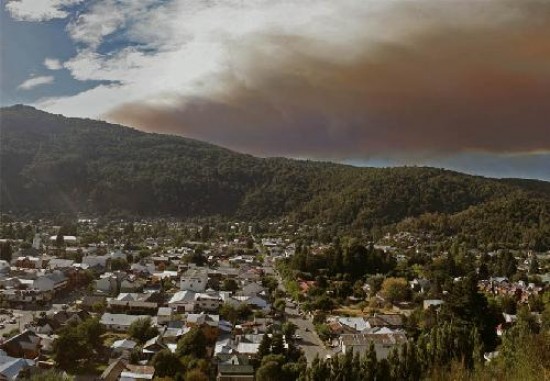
x=110, y=337
x=348, y=310
x=90, y=367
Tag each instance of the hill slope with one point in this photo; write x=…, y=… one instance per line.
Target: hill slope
x=51, y=163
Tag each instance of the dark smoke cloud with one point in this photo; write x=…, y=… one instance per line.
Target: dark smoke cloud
x=443, y=89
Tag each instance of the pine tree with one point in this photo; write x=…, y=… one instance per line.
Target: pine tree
x=369, y=364
x=277, y=344
x=534, y=265
x=394, y=364
x=6, y=251
x=265, y=347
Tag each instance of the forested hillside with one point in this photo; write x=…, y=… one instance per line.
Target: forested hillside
x=55, y=164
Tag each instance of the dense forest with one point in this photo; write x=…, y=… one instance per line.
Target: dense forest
x=53, y=164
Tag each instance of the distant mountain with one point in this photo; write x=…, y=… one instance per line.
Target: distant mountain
x=51, y=163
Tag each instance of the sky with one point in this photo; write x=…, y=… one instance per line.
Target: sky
x=463, y=85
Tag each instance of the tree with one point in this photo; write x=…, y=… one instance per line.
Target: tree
x=279, y=305
x=323, y=331
x=166, y=364
x=534, y=265
x=119, y=264
x=465, y=306
x=6, y=251
x=193, y=343
x=395, y=289
x=270, y=282
x=483, y=271
x=289, y=329
x=229, y=313
x=272, y=369
x=265, y=347
x=59, y=240
x=142, y=330
x=277, y=344
x=91, y=329
x=526, y=321
x=324, y=303
x=70, y=347
x=99, y=307
x=196, y=375
x=369, y=363
x=230, y=284
x=205, y=233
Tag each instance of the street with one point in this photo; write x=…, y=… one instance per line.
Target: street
x=21, y=319
x=24, y=317
x=310, y=343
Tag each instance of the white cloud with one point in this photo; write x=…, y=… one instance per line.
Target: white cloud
x=33, y=82
x=39, y=10
x=181, y=48
x=52, y=64
x=101, y=19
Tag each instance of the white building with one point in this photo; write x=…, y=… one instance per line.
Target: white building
x=119, y=322
x=194, y=279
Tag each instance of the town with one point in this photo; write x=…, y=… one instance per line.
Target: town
x=153, y=299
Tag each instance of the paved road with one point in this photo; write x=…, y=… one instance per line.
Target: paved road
x=310, y=343
x=21, y=318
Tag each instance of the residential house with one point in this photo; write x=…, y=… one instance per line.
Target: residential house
x=252, y=289
x=394, y=321
x=248, y=344
x=433, y=303
x=53, y=282
x=164, y=315
x=137, y=373
x=119, y=322
x=131, y=284
x=207, y=301
x=97, y=261
x=183, y=301
x=234, y=368
x=143, y=303
x=195, y=279
x=90, y=301
x=207, y=322
x=4, y=267
x=22, y=298
x=153, y=346
x=107, y=284
x=123, y=347
x=25, y=345
x=121, y=370
x=59, y=263
x=28, y=262
x=383, y=343
x=12, y=368
x=67, y=239
x=420, y=285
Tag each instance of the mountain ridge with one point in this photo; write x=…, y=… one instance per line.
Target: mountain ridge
x=53, y=164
